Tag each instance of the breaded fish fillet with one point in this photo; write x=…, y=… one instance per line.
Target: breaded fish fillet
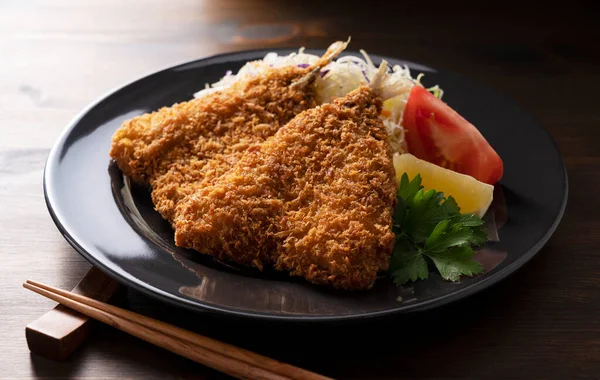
x=316, y=199
x=178, y=148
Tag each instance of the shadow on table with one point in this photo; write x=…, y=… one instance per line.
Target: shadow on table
x=354, y=349
x=44, y=368
x=341, y=349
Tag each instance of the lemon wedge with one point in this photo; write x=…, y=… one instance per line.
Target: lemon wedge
x=471, y=195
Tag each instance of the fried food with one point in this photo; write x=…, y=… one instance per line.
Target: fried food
x=258, y=174
x=177, y=149
x=316, y=199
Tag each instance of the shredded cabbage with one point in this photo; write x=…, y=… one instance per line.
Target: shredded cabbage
x=337, y=79
x=436, y=91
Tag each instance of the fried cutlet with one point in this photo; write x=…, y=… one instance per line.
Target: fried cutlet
x=177, y=149
x=316, y=199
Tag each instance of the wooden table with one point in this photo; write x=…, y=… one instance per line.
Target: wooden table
x=542, y=322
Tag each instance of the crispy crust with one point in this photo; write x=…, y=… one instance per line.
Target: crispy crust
x=316, y=199
x=179, y=148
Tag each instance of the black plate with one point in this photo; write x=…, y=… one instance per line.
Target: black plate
x=113, y=224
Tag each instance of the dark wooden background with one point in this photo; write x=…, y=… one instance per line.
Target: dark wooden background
x=542, y=322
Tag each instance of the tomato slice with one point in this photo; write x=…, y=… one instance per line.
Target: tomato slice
x=438, y=134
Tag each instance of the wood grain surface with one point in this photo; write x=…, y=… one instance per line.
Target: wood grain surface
x=542, y=322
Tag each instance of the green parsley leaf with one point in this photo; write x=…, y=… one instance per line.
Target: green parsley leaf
x=480, y=237
x=408, y=189
x=407, y=264
x=446, y=236
x=451, y=207
x=423, y=214
x=427, y=224
x=399, y=212
x=468, y=220
x=455, y=262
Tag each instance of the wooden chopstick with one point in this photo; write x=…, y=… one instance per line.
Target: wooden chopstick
x=223, y=357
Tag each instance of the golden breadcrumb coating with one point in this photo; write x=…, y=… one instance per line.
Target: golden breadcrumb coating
x=316, y=199
x=198, y=140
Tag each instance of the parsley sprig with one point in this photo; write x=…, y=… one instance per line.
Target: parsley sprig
x=431, y=231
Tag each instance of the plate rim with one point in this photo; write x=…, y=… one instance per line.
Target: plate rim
x=201, y=306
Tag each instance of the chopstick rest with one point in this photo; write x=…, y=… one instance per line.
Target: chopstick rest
x=58, y=332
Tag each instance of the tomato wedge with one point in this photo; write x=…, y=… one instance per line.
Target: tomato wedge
x=438, y=134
